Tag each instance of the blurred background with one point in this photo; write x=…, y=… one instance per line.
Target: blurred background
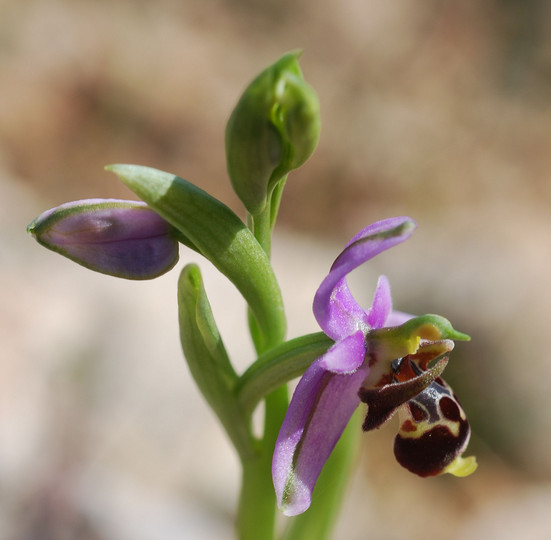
x=439, y=110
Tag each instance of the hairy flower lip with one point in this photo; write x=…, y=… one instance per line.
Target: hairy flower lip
x=434, y=430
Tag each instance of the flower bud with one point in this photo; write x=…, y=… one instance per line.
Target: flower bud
x=273, y=129
x=120, y=238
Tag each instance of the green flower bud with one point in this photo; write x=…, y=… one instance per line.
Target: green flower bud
x=273, y=129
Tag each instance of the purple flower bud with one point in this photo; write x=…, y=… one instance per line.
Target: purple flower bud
x=120, y=238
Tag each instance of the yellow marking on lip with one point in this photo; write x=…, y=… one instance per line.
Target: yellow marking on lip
x=424, y=426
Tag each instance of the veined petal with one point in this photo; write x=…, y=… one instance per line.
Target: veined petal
x=332, y=299
x=321, y=407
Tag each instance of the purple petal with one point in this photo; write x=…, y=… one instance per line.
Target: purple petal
x=321, y=407
x=381, y=306
x=334, y=307
x=346, y=356
x=121, y=238
x=346, y=315
x=397, y=318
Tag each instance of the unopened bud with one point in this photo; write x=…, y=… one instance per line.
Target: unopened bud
x=120, y=238
x=273, y=129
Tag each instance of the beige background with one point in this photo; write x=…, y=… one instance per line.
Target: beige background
x=438, y=110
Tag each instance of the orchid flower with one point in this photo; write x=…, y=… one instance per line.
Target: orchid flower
x=380, y=357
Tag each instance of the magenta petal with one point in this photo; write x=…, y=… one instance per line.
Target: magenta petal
x=333, y=299
x=381, y=306
x=346, y=356
x=397, y=318
x=346, y=315
x=321, y=407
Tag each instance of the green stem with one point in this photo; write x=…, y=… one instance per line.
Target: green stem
x=257, y=506
x=275, y=200
x=261, y=226
x=256, y=515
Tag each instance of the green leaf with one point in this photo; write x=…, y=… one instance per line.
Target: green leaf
x=219, y=235
x=208, y=361
x=278, y=366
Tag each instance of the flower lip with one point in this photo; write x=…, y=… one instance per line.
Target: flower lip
x=434, y=432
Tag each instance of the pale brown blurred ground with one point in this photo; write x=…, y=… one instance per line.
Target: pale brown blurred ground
x=439, y=110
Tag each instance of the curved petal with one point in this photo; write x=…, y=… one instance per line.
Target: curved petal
x=381, y=306
x=345, y=315
x=346, y=356
x=332, y=299
x=321, y=407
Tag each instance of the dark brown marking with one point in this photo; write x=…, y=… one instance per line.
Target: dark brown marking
x=408, y=426
x=431, y=453
x=450, y=409
x=417, y=412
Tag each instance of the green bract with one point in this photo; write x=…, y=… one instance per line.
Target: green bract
x=220, y=236
x=208, y=360
x=273, y=129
